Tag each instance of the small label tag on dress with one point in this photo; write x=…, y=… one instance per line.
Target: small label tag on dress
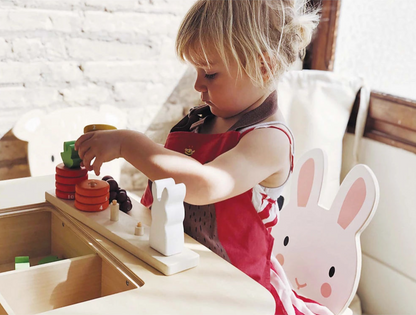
x=189, y=151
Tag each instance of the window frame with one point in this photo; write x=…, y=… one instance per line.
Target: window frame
x=391, y=119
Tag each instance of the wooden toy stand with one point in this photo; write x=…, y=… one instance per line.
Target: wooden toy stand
x=121, y=233
x=96, y=276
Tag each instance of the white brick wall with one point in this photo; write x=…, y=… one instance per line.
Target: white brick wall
x=55, y=54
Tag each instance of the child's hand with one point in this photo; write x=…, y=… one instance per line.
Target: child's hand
x=102, y=145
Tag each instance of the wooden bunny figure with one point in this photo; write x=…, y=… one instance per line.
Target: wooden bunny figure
x=319, y=249
x=166, y=231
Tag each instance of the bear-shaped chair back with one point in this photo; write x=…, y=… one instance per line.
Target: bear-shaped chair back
x=47, y=132
x=319, y=249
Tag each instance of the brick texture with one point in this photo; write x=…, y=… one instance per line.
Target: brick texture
x=56, y=54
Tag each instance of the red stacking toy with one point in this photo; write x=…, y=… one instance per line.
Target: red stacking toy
x=92, y=188
x=92, y=195
x=91, y=208
x=69, y=180
x=92, y=200
x=64, y=195
x=66, y=178
x=65, y=188
x=64, y=171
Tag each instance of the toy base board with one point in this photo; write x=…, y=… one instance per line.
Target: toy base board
x=121, y=232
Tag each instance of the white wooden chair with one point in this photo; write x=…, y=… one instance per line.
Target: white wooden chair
x=319, y=249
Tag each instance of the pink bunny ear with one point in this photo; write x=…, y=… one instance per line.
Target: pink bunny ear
x=308, y=177
x=158, y=187
x=305, y=182
x=353, y=202
x=357, y=199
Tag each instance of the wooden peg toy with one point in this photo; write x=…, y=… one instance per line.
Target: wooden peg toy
x=65, y=188
x=92, y=200
x=48, y=259
x=96, y=127
x=69, y=180
x=92, y=195
x=64, y=171
x=114, y=210
x=92, y=188
x=66, y=178
x=21, y=262
x=65, y=194
x=90, y=208
x=139, y=229
x=70, y=157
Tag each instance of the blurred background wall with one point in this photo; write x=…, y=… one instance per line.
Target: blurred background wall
x=376, y=40
x=55, y=54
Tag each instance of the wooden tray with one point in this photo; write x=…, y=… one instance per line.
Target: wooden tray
x=84, y=271
x=122, y=233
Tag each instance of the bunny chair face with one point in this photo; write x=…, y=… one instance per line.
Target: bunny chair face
x=319, y=249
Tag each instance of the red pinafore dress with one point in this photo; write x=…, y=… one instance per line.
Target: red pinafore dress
x=232, y=228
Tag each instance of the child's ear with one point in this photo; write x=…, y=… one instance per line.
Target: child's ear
x=266, y=66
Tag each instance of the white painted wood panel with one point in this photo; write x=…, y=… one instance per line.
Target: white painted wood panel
x=388, y=280
x=383, y=290
x=391, y=234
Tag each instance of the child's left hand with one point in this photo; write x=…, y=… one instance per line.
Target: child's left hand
x=103, y=146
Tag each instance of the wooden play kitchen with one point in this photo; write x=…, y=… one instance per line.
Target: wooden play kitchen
x=65, y=250
x=93, y=275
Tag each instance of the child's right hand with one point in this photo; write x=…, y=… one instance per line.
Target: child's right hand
x=95, y=148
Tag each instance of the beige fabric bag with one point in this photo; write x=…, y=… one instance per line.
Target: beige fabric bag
x=317, y=106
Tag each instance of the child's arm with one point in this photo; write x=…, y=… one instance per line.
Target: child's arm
x=258, y=155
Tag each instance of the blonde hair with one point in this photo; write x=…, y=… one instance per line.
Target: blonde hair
x=256, y=33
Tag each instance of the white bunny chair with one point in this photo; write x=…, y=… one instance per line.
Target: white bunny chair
x=46, y=133
x=319, y=249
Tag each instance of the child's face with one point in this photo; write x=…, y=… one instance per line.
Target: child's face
x=226, y=92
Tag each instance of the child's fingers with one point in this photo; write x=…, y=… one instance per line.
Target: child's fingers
x=97, y=166
x=87, y=158
x=82, y=150
x=82, y=139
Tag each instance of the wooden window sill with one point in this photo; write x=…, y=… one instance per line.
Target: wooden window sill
x=391, y=120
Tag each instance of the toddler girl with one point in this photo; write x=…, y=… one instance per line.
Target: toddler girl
x=234, y=153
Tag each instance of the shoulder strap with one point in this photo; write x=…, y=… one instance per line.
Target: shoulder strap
x=266, y=109
x=199, y=113
x=195, y=114
x=284, y=128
